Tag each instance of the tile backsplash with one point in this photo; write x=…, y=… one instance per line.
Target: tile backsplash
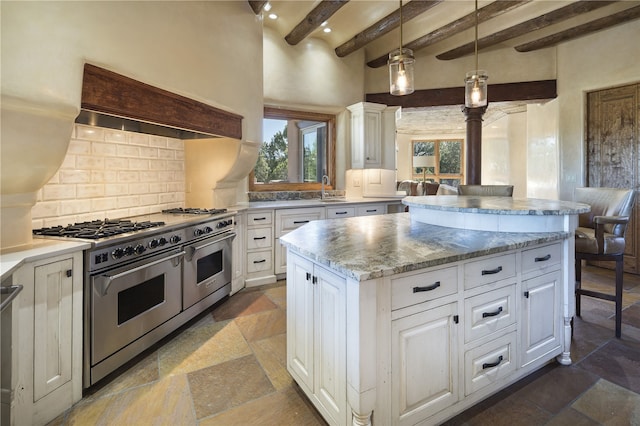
x=110, y=173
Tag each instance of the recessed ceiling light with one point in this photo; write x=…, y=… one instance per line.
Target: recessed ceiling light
x=267, y=7
x=273, y=16
x=327, y=30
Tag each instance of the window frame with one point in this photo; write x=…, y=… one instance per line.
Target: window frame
x=288, y=114
x=437, y=176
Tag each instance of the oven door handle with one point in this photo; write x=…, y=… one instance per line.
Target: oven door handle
x=12, y=291
x=107, y=279
x=192, y=250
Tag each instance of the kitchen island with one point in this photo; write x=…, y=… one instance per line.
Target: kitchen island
x=394, y=321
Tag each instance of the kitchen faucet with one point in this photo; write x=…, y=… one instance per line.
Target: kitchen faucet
x=325, y=178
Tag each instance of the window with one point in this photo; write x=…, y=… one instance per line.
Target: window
x=298, y=149
x=448, y=161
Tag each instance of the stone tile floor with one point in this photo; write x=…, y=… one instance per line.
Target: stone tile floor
x=228, y=367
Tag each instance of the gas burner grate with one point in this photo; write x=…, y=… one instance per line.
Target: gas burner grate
x=180, y=210
x=96, y=229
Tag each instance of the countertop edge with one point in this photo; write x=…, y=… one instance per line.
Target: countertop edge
x=12, y=259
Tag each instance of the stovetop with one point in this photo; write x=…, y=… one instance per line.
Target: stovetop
x=97, y=229
x=191, y=210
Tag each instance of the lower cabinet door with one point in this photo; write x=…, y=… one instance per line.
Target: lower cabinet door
x=541, y=325
x=424, y=364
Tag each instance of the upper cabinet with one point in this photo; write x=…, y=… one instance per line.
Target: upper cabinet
x=373, y=131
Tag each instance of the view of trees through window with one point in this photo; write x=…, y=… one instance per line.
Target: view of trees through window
x=298, y=148
x=448, y=161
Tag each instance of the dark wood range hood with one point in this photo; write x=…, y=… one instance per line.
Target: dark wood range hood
x=115, y=101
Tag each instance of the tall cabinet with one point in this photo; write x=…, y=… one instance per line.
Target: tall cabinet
x=373, y=135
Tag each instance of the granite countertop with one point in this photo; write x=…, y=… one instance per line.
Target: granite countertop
x=370, y=247
x=314, y=202
x=496, y=205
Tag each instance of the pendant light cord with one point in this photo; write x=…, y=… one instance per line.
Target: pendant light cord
x=401, y=26
x=476, y=44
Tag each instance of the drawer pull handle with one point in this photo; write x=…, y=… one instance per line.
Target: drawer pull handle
x=260, y=261
x=492, y=314
x=427, y=288
x=372, y=211
x=296, y=222
x=492, y=364
x=259, y=238
x=341, y=212
x=259, y=218
x=543, y=259
x=492, y=271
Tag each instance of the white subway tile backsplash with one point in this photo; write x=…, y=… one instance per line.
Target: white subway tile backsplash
x=112, y=173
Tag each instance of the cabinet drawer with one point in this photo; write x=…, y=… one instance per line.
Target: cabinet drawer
x=421, y=287
x=338, y=212
x=489, y=270
x=259, y=238
x=370, y=209
x=259, y=261
x=260, y=218
x=541, y=258
x=290, y=219
x=489, y=312
x=489, y=363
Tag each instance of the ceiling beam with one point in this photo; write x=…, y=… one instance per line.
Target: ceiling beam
x=256, y=5
x=484, y=14
x=555, y=16
x=524, y=91
x=323, y=11
x=580, y=30
x=385, y=25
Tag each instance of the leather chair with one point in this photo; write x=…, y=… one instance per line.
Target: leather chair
x=486, y=190
x=600, y=237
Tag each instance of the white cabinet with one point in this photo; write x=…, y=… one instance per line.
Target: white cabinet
x=372, y=136
x=424, y=364
x=316, y=335
x=49, y=339
x=340, y=212
x=286, y=221
x=259, y=248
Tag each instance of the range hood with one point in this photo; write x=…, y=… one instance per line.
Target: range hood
x=94, y=118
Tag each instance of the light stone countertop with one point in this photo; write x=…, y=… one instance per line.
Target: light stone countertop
x=496, y=205
x=12, y=259
x=315, y=202
x=370, y=247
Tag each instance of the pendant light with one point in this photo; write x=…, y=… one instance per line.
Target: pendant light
x=401, y=68
x=475, y=83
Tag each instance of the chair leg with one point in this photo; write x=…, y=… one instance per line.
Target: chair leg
x=619, y=275
x=578, y=284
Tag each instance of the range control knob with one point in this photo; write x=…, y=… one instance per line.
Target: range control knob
x=221, y=224
x=128, y=250
x=207, y=230
x=174, y=239
x=198, y=232
x=117, y=253
x=154, y=243
x=162, y=241
x=140, y=249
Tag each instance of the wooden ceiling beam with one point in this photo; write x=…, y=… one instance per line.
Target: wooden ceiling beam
x=580, y=30
x=555, y=16
x=256, y=5
x=314, y=19
x=385, y=25
x=484, y=14
x=523, y=91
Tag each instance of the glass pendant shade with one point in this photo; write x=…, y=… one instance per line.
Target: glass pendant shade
x=475, y=89
x=401, y=72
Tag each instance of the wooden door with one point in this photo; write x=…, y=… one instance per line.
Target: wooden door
x=613, y=145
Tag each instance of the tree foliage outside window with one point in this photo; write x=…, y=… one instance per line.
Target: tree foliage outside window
x=272, y=164
x=448, y=153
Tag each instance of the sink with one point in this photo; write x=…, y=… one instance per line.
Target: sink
x=333, y=200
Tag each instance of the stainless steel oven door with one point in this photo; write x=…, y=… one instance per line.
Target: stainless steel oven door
x=207, y=267
x=132, y=300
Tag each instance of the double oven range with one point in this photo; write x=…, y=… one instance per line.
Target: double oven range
x=145, y=277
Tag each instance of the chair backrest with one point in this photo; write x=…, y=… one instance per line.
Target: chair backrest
x=494, y=190
x=605, y=202
x=445, y=189
x=428, y=188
